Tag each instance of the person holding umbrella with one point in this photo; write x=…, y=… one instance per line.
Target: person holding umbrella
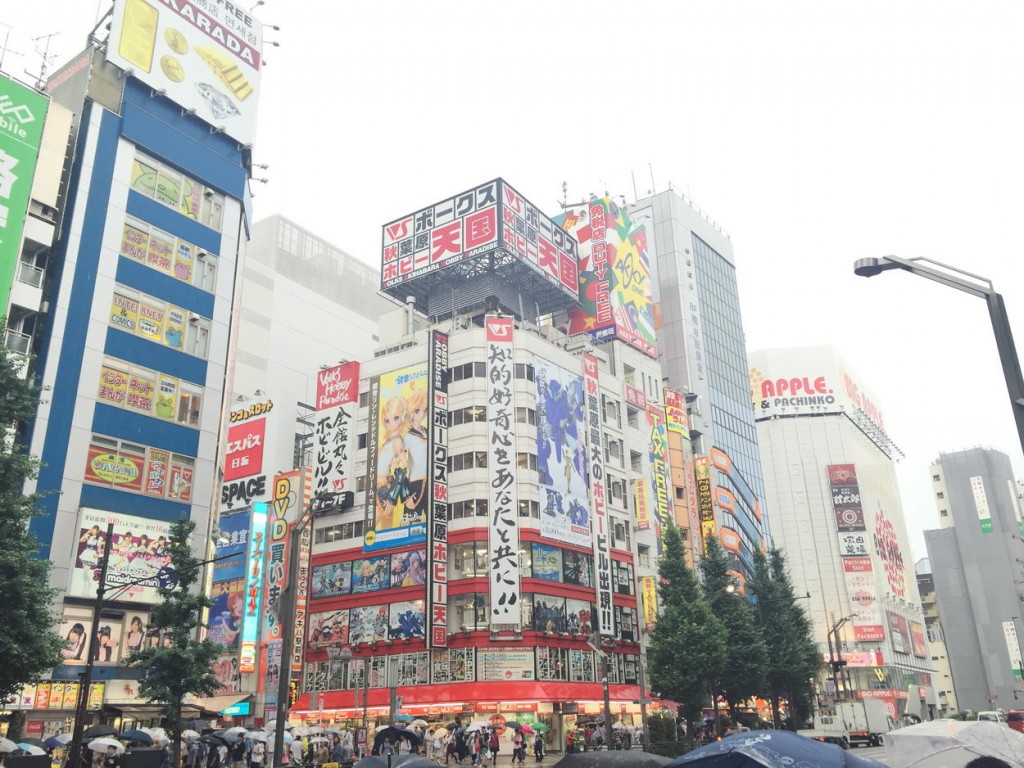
x=538, y=746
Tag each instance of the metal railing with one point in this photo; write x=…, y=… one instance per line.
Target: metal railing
x=30, y=274
x=18, y=341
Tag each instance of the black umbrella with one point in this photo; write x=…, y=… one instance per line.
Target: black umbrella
x=214, y=740
x=768, y=748
x=98, y=730
x=615, y=758
x=393, y=733
x=397, y=761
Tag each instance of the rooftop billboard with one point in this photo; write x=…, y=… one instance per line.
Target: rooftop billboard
x=205, y=55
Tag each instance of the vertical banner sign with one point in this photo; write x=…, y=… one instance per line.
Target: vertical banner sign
x=649, y=589
x=1013, y=648
x=254, y=589
x=602, y=537
x=283, y=508
x=1015, y=501
x=337, y=390
x=702, y=473
x=642, y=505
x=678, y=428
x=302, y=584
x=658, y=449
x=437, y=510
x=22, y=115
x=858, y=569
x=981, y=503
x=503, y=502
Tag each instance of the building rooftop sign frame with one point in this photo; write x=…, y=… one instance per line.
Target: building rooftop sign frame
x=489, y=235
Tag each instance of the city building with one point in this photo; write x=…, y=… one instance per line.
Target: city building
x=702, y=350
x=301, y=299
x=153, y=215
x=832, y=487
x=976, y=557
x=495, y=555
x=33, y=139
x=943, y=677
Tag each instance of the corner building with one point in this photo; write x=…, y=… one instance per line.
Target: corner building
x=494, y=532
x=154, y=214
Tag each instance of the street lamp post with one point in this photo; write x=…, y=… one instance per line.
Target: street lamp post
x=837, y=662
x=285, y=609
x=976, y=286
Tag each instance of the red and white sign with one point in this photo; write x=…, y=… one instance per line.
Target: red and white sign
x=636, y=397
x=244, y=453
x=337, y=386
x=337, y=391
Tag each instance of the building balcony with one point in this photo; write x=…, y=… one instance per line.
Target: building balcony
x=17, y=341
x=27, y=289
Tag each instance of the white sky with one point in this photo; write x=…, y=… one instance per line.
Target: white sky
x=814, y=133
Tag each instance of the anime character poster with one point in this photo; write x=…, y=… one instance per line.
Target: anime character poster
x=397, y=450
x=371, y=574
x=549, y=614
x=578, y=568
x=228, y=591
x=579, y=616
x=406, y=620
x=368, y=623
x=331, y=580
x=561, y=455
x=329, y=628
x=409, y=569
x=547, y=562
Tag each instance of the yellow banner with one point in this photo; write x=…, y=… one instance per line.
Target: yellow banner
x=649, y=588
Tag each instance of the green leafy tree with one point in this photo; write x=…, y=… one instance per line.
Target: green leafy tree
x=793, y=655
x=746, y=656
x=184, y=666
x=687, y=649
x=29, y=644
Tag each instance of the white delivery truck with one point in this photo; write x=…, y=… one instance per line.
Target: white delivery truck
x=866, y=720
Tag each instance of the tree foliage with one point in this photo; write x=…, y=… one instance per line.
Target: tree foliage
x=746, y=656
x=29, y=644
x=793, y=658
x=688, y=643
x=184, y=665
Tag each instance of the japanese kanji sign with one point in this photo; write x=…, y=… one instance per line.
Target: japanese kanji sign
x=600, y=526
x=437, y=509
x=337, y=390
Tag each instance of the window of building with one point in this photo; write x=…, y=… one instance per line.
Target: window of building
x=206, y=272
x=197, y=336
x=523, y=371
x=468, y=508
x=190, y=402
x=636, y=461
x=526, y=461
x=467, y=612
x=471, y=460
x=150, y=318
x=526, y=416
x=611, y=412
x=364, y=399
x=529, y=508
x=936, y=478
x=632, y=417
x=361, y=441
x=149, y=392
x=643, y=555
x=127, y=466
x=623, y=576
x=473, y=413
x=182, y=193
x=940, y=495
x=339, y=532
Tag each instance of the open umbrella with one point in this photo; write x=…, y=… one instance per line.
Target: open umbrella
x=53, y=742
x=538, y=726
x=6, y=745
x=33, y=742
x=397, y=761
x=214, y=739
x=420, y=723
x=258, y=736
x=953, y=743
x=525, y=730
x=288, y=738
x=317, y=740
x=158, y=735
x=31, y=749
x=101, y=745
x=137, y=736
x=766, y=749
x=393, y=733
x=232, y=733
x=299, y=731
x=189, y=735
x=314, y=731
x=100, y=729
x=403, y=718
x=440, y=733
x=476, y=725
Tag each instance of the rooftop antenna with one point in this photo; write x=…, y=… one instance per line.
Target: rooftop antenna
x=4, y=50
x=651, y=169
x=46, y=57
x=565, y=193
x=633, y=177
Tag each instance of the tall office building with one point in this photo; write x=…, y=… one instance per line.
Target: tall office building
x=154, y=215
x=976, y=558
x=702, y=350
x=831, y=483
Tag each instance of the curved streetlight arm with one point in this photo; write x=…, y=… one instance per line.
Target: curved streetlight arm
x=976, y=286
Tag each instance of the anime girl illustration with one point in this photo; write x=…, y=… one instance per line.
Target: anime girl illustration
x=400, y=487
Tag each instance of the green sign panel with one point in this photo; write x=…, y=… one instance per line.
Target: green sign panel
x=22, y=115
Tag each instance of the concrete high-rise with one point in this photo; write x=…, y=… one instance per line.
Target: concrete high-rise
x=831, y=481
x=702, y=351
x=976, y=558
x=943, y=678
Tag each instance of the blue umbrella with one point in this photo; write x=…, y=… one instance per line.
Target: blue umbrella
x=770, y=749
x=137, y=736
x=404, y=718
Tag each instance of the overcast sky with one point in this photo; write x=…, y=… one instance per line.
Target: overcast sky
x=813, y=133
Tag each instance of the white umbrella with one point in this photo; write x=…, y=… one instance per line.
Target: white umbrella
x=31, y=749
x=440, y=733
x=419, y=723
x=6, y=745
x=299, y=731
x=64, y=738
x=232, y=733
x=316, y=730
x=190, y=735
x=100, y=745
x=258, y=736
x=317, y=740
x=157, y=734
x=380, y=728
x=476, y=725
x=952, y=743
